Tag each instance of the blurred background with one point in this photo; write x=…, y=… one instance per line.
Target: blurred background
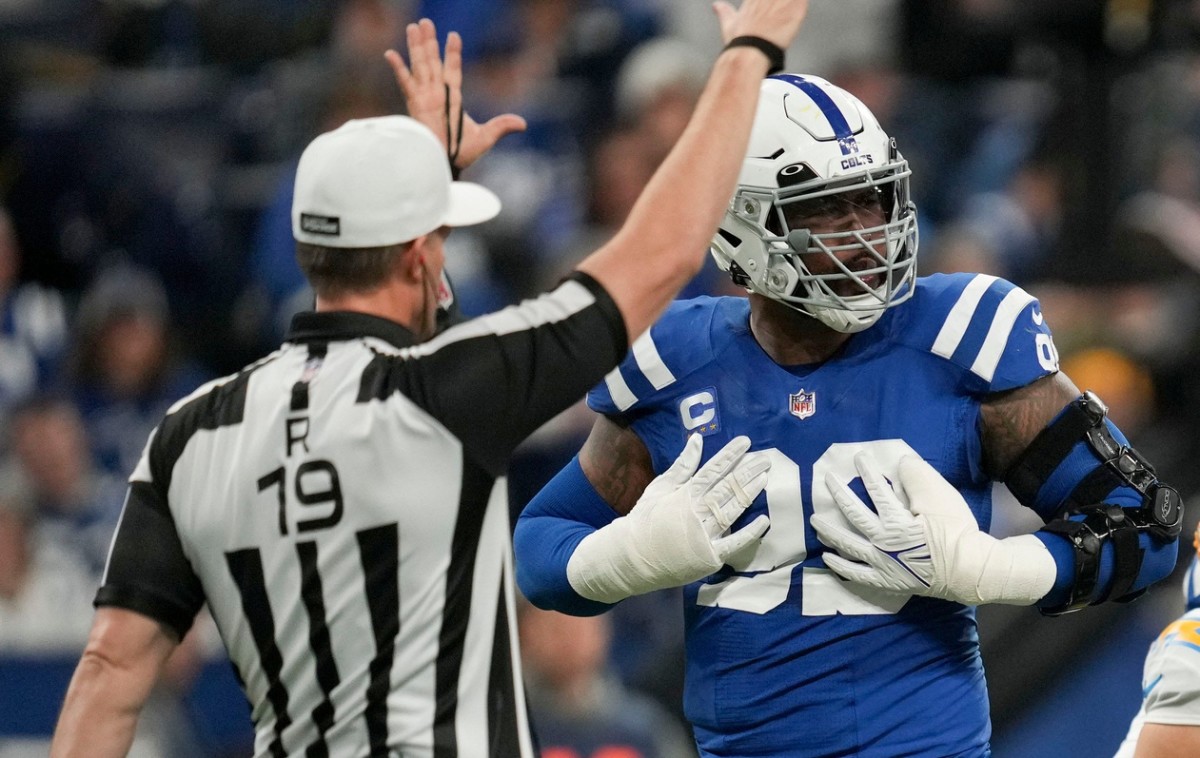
x=147, y=152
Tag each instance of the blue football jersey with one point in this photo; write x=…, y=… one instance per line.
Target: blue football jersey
x=785, y=658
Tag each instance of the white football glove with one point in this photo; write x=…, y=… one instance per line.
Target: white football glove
x=933, y=547
x=678, y=531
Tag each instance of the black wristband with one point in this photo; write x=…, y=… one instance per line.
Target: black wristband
x=773, y=52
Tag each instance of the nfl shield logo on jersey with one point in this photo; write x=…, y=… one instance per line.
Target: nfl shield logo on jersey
x=803, y=404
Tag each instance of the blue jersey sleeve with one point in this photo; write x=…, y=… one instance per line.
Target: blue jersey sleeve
x=992, y=333
x=989, y=329
x=659, y=374
x=677, y=344
x=568, y=509
x=558, y=518
x=1158, y=558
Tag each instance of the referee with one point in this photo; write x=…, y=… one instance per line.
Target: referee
x=339, y=504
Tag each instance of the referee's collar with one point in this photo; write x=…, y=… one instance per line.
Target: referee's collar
x=332, y=326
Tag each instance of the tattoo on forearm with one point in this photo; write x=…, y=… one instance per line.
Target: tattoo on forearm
x=1012, y=419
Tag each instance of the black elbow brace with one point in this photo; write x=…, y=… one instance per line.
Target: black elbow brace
x=1160, y=512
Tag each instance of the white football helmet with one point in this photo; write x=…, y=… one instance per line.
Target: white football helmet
x=817, y=154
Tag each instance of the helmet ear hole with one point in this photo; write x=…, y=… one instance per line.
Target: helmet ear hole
x=782, y=278
x=730, y=238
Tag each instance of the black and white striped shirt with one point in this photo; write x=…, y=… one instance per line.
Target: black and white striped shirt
x=341, y=506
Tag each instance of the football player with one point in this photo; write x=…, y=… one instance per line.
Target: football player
x=1168, y=723
x=845, y=370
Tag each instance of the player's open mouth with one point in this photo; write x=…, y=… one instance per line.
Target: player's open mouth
x=860, y=266
x=848, y=287
x=873, y=281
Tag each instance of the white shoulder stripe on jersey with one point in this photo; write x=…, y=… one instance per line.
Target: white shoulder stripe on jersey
x=997, y=337
x=960, y=316
x=645, y=352
x=141, y=472
x=622, y=396
x=113, y=540
x=569, y=298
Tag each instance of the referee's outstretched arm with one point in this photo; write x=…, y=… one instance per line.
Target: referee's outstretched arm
x=664, y=242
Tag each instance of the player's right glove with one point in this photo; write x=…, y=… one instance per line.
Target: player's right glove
x=678, y=531
x=933, y=547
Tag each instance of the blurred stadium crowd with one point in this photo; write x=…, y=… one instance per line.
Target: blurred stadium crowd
x=147, y=150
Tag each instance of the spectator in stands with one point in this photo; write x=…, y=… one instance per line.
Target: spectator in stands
x=33, y=326
x=580, y=708
x=125, y=370
x=45, y=614
x=353, y=91
x=77, y=504
x=657, y=88
x=45, y=586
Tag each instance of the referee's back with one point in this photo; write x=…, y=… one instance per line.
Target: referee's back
x=339, y=501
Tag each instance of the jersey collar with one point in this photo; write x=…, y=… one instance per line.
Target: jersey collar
x=331, y=326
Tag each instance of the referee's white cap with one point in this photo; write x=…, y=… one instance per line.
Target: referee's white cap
x=381, y=181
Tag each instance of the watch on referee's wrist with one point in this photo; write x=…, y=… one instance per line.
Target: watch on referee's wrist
x=774, y=53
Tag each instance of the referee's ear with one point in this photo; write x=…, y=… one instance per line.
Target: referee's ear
x=412, y=260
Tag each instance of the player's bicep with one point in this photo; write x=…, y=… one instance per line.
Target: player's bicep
x=617, y=463
x=1011, y=420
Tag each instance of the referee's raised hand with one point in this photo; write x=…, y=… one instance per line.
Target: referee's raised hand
x=777, y=21
x=432, y=88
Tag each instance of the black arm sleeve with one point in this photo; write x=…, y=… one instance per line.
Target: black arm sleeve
x=493, y=380
x=147, y=571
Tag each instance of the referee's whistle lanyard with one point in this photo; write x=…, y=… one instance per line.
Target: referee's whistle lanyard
x=428, y=317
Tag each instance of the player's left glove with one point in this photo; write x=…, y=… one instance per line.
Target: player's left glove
x=933, y=547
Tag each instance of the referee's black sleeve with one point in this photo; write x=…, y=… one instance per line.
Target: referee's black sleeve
x=147, y=571
x=493, y=380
